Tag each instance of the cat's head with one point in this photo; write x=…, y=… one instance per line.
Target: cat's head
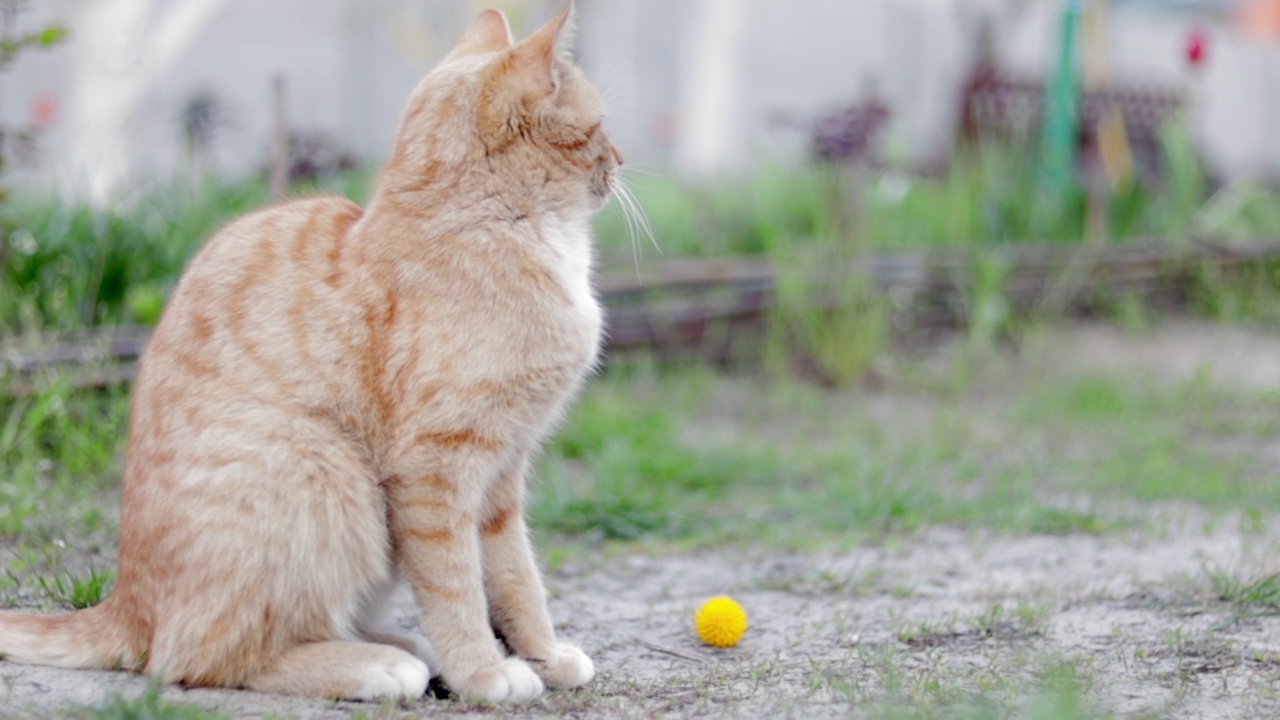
x=522, y=109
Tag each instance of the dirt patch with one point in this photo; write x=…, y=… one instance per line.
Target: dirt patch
x=829, y=632
x=1176, y=351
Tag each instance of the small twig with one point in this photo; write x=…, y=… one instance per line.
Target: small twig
x=667, y=651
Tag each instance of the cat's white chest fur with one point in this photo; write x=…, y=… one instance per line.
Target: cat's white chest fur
x=571, y=241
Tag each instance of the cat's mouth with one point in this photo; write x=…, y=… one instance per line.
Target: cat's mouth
x=610, y=175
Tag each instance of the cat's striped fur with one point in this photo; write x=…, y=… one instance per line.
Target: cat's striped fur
x=337, y=399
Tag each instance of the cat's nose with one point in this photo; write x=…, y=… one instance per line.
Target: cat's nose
x=617, y=154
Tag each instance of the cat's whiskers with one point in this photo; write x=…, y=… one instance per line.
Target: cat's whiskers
x=641, y=215
x=635, y=217
x=640, y=169
x=610, y=72
x=621, y=205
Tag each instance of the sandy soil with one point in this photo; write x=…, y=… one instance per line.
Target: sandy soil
x=833, y=632
x=1124, y=608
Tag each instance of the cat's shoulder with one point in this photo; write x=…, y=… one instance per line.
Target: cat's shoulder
x=288, y=222
x=294, y=215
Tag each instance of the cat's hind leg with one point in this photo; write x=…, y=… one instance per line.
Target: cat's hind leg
x=343, y=670
x=375, y=623
x=242, y=560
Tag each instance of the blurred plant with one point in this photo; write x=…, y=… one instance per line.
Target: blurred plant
x=77, y=591
x=12, y=43
x=55, y=440
x=17, y=141
x=91, y=267
x=851, y=134
x=315, y=157
x=987, y=313
x=147, y=706
x=202, y=117
x=829, y=326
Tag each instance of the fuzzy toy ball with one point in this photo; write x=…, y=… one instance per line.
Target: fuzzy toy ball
x=721, y=622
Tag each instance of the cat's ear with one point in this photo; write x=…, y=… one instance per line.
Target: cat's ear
x=489, y=32
x=536, y=54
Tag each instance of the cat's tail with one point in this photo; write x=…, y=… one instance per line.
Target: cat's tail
x=94, y=637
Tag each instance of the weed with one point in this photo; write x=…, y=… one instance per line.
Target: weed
x=77, y=591
x=147, y=706
x=929, y=633
x=1031, y=616
x=986, y=311
x=1247, y=594
x=825, y=329
x=1062, y=695
x=992, y=621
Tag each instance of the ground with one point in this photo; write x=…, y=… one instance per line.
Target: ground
x=1083, y=527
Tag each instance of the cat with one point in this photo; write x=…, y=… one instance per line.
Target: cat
x=340, y=400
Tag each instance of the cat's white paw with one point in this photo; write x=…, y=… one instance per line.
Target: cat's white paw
x=403, y=679
x=511, y=680
x=568, y=667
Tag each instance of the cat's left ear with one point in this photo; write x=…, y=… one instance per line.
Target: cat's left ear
x=489, y=32
x=536, y=55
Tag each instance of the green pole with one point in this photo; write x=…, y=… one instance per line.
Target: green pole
x=1062, y=106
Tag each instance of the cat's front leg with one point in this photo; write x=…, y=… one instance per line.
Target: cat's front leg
x=517, y=599
x=437, y=541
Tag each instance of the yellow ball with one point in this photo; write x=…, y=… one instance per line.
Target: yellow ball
x=721, y=622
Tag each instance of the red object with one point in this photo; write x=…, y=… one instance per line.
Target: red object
x=44, y=110
x=1197, y=47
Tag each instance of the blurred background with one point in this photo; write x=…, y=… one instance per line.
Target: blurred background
x=770, y=137
x=150, y=88
x=753, y=129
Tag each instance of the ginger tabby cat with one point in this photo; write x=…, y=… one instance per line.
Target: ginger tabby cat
x=337, y=400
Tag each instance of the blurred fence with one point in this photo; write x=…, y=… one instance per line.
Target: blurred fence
x=717, y=309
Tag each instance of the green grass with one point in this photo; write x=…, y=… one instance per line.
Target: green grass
x=1043, y=689
x=59, y=450
x=622, y=470
x=1130, y=436
x=684, y=455
x=692, y=457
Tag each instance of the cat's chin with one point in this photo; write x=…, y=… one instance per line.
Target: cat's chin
x=598, y=201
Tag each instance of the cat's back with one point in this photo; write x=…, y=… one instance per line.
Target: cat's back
x=302, y=240
x=258, y=308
